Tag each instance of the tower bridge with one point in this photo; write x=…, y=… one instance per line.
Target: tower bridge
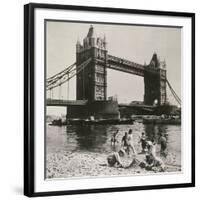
x=90, y=68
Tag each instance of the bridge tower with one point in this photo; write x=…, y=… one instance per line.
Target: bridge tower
x=155, y=82
x=91, y=82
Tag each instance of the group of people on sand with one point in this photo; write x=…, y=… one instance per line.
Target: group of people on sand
x=151, y=160
x=126, y=142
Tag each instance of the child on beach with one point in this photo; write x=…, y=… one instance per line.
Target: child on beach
x=155, y=164
x=120, y=159
x=114, y=160
x=153, y=161
x=113, y=139
x=127, y=142
x=163, y=145
x=130, y=145
x=151, y=146
x=124, y=140
x=143, y=141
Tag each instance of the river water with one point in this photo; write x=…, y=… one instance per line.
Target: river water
x=97, y=138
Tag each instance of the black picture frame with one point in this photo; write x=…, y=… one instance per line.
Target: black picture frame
x=29, y=108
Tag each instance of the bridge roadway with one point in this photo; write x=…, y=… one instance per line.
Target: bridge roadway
x=127, y=66
x=58, y=102
x=65, y=103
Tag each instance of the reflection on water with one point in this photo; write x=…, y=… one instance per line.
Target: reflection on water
x=97, y=138
x=91, y=138
x=154, y=132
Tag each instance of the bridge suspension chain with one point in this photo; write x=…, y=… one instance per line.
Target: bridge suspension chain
x=65, y=75
x=174, y=93
x=58, y=75
x=57, y=78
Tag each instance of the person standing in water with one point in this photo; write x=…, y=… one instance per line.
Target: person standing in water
x=143, y=141
x=130, y=145
x=113, y=139
x=163, y=145
x=151, y=146
x=124, y=140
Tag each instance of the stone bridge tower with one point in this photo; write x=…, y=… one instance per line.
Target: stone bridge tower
x=155, y=82
x=91, y=82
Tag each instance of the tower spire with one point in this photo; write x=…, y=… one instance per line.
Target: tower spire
x=91, y=33
x=78, y=44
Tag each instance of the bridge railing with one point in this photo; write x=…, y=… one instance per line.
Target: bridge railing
x=139, y=67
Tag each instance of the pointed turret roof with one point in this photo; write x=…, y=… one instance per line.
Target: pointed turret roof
x=91, y=32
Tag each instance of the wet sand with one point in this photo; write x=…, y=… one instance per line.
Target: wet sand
x=87, y=164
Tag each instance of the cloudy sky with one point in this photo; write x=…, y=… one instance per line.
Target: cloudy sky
x=135, y=43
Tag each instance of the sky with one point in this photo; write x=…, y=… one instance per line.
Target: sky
x=135, y=43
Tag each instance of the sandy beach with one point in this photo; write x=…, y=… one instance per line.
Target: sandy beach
x=87, y=164
x=73, y=154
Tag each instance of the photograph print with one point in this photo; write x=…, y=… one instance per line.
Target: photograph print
x=113, y=100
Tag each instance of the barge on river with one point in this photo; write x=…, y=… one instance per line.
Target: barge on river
x=59, y=122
